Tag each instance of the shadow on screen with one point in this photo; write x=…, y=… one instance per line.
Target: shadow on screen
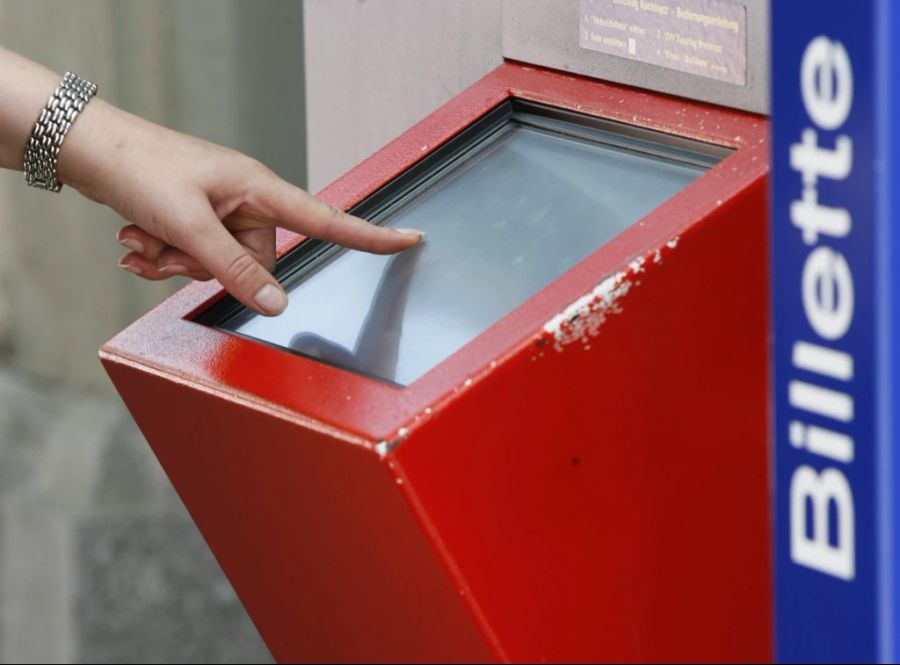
x=377, y=347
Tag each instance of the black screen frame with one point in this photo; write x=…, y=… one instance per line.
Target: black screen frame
x=311, y=254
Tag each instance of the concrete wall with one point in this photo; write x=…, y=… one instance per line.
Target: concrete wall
x=227, y=70
x=375, y=67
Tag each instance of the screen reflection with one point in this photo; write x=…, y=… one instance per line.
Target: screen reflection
x=500, y=226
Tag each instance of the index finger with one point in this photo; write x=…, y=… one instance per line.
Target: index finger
x=299, y=211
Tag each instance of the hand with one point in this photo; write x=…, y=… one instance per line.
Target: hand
x=201, y=210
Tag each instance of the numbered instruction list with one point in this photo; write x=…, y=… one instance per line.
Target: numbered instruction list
x=702, y=37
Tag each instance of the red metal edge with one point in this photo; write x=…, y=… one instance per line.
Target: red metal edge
x=510, y=467
x=309, y=529
x=166, y=341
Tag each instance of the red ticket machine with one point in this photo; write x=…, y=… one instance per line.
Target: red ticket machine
x=540, y=436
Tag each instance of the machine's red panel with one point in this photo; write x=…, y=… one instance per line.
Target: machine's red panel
x=323, y=551
x=585, y=480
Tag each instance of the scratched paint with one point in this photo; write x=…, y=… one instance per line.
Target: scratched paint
x=584, y=317
x=582, y=320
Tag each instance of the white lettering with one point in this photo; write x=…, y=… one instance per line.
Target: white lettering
x=813, y=161
x=828, y=293
x=821, y=401
x=827, y=82
x=824, y=442
x=815, y=550
x=822, y=360
x=822, y=519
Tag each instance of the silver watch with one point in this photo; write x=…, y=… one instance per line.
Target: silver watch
x=42, y=149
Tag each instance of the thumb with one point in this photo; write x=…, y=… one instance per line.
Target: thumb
x=227, y=260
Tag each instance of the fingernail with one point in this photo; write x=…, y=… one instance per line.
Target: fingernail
x=174, y=269
x=134, y=270
x=271, y=300
x=420, y=235
x=132, y=244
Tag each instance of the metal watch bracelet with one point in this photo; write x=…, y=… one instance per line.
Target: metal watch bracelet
x=42, y=149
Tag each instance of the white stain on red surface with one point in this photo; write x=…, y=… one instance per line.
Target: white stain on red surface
x=582, y=320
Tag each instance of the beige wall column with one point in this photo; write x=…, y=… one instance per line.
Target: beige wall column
x=375, y=67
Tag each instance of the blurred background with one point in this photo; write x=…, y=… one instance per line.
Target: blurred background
x=99, y=561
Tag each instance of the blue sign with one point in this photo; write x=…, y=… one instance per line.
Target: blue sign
x=833, y=304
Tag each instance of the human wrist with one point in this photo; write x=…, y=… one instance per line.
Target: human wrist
x=92, y=145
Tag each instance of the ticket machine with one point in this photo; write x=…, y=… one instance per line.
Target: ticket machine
x=542, y=434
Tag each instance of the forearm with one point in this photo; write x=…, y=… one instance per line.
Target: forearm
x=25, y=87
x=96, y=139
